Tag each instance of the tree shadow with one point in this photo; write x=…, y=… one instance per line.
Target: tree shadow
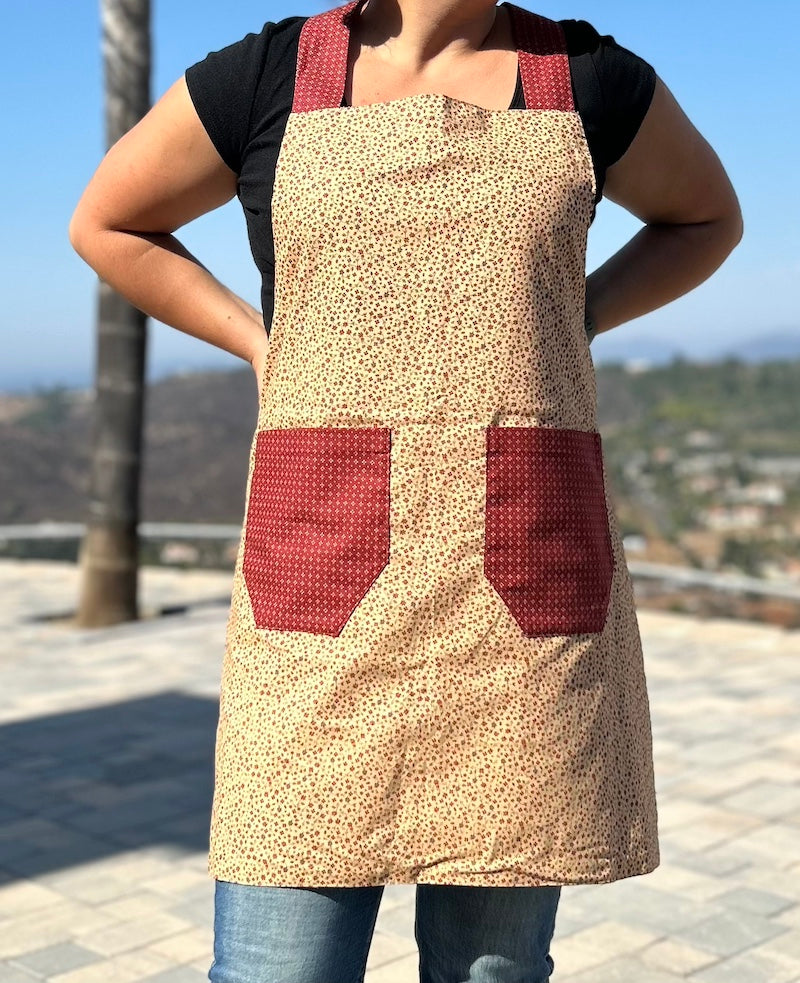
x=86, y=784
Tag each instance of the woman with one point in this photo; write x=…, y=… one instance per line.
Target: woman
x=433, y=671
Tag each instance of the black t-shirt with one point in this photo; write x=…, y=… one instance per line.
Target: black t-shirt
x=243, y=95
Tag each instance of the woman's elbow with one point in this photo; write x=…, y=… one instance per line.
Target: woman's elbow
x=85, y=231
x=75, y=233
x=737, y=230
x=80, y=231
x=719, y=216
x=731, y=227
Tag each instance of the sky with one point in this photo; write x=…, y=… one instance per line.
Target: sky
x=732, y=68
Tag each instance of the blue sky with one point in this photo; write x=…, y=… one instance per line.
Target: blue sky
x=732, y=68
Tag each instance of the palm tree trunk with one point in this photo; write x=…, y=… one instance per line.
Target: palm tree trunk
x=109, y=554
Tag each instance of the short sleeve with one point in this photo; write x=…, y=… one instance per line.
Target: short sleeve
x=223, y=87
x=613, y=87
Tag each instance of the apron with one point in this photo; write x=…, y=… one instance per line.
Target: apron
x=433, y=671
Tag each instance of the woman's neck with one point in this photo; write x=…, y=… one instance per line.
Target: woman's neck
x=411, y=34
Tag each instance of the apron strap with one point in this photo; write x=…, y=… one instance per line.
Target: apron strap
x=324, y=41
x=322, y=59
x=543, y=60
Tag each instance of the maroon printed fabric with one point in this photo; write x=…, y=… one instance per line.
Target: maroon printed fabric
x=317, y=525
x=323, y=45
x=543, y=60
x=548, y=551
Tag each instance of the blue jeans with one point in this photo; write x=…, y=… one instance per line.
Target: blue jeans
x=322, y=935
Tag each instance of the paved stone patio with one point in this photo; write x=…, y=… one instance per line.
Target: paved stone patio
x=106, y=769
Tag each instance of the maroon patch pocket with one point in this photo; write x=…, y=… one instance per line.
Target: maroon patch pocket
x=547, y=545
x=317, y=525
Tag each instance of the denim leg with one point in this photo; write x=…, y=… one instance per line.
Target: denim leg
x=485, y=934
x=266, y=934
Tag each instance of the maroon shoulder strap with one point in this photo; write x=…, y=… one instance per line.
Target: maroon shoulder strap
x=322, y=60
x=543, y=60
x=323, y=47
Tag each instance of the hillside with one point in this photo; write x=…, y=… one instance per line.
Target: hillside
x=703, y=459
x=197, y=436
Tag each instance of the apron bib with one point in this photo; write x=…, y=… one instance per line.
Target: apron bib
x=433, y=671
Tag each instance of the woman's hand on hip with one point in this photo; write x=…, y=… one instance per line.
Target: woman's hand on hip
x=258, y=361
x=161, y=174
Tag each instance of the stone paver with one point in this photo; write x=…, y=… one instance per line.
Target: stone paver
x=672, y=956
x=57, y=958
x=106, y=776
x=15, y=974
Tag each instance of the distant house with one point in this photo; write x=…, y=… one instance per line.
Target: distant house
x=702, y=439
x=757, y=492
x=663, y=455
x=704, y=463
x=702, y=484
x=723, y=518
x=776, y=467
x=634, y=543
x=178, y=552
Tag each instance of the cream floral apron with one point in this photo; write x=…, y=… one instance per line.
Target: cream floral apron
x=433, y=671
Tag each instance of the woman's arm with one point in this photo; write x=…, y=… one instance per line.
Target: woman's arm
x=162, y=174
x=671, y=179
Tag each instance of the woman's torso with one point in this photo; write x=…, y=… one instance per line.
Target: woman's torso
x=244, y=92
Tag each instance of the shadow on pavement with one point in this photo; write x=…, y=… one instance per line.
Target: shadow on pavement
x=86, y=784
